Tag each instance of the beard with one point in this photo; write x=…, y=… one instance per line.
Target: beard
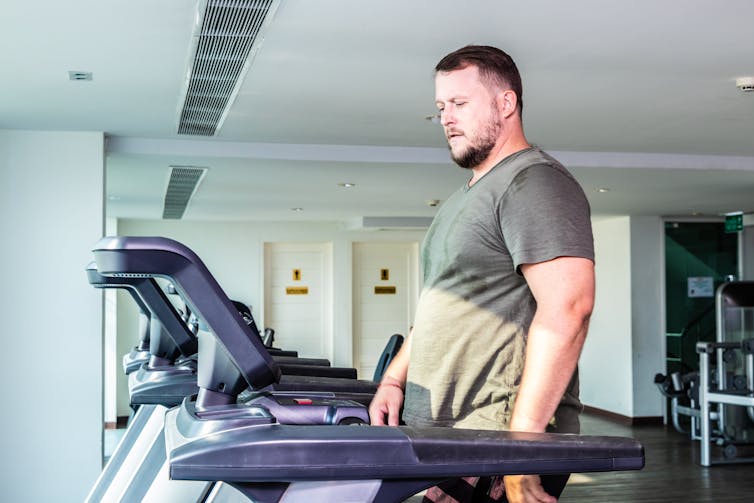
x=480, y=146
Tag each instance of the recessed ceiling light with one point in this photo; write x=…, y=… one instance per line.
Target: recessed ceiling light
x=434, y=118
x=602, y=190
x=347, y=185
x=297, y=209
x=79, y=75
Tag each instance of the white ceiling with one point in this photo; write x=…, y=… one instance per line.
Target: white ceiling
x=636, y=96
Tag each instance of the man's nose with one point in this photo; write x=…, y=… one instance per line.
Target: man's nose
x=447, y=117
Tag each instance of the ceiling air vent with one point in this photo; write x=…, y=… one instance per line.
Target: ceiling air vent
x=225, y=44
x=182, y=185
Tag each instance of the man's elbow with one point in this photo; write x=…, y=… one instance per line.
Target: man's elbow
x=583, y=310
x=579, y=313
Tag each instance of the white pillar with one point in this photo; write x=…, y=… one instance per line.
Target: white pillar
x=51, y=202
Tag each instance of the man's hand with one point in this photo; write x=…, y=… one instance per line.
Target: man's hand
x=386, y=404
x=526, y=489
x=385, y=409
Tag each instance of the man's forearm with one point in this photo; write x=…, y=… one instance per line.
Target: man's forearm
x=386, y=404
x=397, y=370
x=552, y=353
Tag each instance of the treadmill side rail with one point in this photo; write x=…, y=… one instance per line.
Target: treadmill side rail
x=282, y=453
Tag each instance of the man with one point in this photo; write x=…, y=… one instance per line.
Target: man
x=508, y=284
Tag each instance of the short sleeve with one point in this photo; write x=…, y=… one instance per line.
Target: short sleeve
x=544, y=214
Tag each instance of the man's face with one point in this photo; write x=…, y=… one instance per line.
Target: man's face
x=468, y=114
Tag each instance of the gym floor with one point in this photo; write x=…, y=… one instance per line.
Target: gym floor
x=672, y=471
x=112, y=437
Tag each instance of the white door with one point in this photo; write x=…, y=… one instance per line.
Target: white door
x=298, y=298
x=385, y=294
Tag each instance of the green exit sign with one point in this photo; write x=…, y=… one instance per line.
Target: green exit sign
x=734, y=223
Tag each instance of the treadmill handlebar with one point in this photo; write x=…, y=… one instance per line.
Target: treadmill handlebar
x=97, y=280
x=152, y=300
x=283, y=453
x=151, y=257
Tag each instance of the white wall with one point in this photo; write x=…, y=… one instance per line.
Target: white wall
x=51, y=201
x=234, y=252
x=625, y=347
x=606, y=363
x=647, y=313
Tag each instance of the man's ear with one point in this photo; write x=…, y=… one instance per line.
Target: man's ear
x=507, y=102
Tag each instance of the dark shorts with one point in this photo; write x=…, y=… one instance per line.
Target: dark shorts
x=485, y=489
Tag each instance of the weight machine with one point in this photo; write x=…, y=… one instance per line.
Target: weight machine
x=719, y=399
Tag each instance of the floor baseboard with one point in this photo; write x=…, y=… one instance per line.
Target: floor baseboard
x=120, y=422
x=626, y=420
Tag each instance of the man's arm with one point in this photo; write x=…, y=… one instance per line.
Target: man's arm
x=386, y=405
x=564, y=291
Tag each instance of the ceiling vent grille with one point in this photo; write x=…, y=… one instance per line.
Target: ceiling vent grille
x=223, y=53
x=182, y=185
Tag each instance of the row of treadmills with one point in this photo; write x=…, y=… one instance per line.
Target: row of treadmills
x=220, y=417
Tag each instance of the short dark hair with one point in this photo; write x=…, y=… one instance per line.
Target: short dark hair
x=495, y=67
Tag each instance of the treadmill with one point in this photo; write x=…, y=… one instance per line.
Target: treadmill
x=168, y=372
x=268, y=335
x=137, y=470
x=139, y=354
x=289, y=361
x=254, y=450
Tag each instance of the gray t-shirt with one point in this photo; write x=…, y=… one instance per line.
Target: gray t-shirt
x=469, y=335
